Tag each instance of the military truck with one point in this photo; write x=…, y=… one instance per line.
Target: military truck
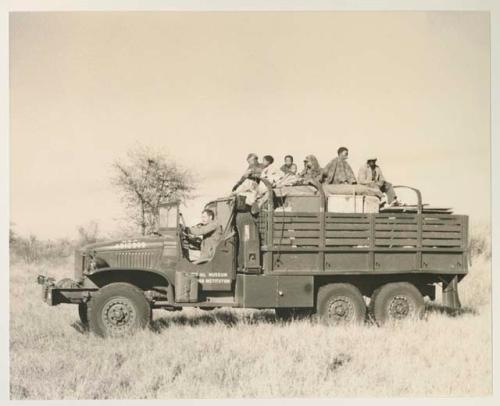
x=297, y=255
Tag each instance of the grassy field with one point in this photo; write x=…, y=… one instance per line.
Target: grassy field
x=244, y=353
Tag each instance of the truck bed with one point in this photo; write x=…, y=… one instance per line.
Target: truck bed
x=375, y=242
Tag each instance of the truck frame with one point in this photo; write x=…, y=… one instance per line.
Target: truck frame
x=298, y=263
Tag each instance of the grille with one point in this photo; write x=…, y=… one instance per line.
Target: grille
x=132, y=259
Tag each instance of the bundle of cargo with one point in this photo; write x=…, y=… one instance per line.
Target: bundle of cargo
x=297, y=198
x=340, y=199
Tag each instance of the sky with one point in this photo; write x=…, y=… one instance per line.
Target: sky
x=411, y=88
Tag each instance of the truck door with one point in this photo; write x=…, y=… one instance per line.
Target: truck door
x=220, y=272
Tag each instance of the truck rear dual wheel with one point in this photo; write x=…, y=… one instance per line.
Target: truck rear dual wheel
x=118, y=309
x=340, y=303
x=396, y=302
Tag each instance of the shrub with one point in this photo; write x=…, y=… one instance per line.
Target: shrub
x=480, y=242
x=31, y=249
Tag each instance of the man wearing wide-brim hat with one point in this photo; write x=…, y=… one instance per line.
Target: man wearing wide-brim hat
x=370, y=175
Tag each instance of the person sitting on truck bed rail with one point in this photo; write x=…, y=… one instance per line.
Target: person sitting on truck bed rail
x=270, y=171
x=289, y=167
x=248, y=183
x=338, y=171
x=211, y=233
x=289, y=170
x=311, y=171
x=273, y=175
x=252, y=173
x=370, y=175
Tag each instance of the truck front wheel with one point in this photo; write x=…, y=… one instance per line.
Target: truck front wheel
x=396, y=301
x=340, y=303
x=118, y=309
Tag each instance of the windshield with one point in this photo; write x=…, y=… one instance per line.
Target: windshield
x=223, y=210
x=168, y=216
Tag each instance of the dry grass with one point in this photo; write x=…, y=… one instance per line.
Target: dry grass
x=244, y=353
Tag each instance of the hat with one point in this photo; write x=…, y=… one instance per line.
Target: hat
x=251, y=155
x=371, y=159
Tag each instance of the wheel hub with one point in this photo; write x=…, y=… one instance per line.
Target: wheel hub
x=340, y=309
x=400, y=307
x=118, y=314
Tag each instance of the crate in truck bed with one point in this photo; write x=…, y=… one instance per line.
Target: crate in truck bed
x=341, y=199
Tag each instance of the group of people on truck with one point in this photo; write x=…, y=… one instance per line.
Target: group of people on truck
x=337, y=171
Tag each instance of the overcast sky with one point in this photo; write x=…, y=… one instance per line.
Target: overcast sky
x=411, y=88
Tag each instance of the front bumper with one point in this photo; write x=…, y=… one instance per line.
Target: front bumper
x=54, y=293
x=48, y=287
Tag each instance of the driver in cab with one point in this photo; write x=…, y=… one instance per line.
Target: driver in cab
x=211, y=233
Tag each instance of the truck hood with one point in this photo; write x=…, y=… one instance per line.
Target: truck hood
x=129, y=243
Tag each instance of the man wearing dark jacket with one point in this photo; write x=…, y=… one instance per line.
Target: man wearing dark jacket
x=211, y=233
x=338, y=171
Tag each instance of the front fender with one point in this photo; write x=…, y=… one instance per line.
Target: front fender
x=144, y=279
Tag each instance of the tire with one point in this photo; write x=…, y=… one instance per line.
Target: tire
x=395, y=302
x=340, y=303
x=292, y=313
x=207, y=309
x=82, y=312
x=118, y=309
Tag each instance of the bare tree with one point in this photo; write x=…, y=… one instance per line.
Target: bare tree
x=146, y=179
